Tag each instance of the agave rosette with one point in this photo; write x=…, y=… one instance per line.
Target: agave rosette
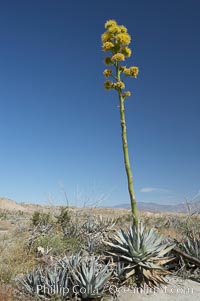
x=90, y=278
x=192, y=246
x=143, y=251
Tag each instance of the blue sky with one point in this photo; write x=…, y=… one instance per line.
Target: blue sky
x=60, y=130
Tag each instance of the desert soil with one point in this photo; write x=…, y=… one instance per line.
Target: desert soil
x=177, y=289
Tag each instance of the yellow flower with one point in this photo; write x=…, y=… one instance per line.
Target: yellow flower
x=126, y=51
x=110, y=23
x=114, y=29
x=108, y=61
x=126, y=71
x=108, y=85
x=122, y=68
x=123, y=38
x=107, y=46
x=107, y=72
x=119, y=85
x=123, y=29
x=134, y=71
x=118, y=57
x=105, y=37
x=126, y=94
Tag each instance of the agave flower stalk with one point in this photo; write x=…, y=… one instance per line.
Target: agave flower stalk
x=116, y=40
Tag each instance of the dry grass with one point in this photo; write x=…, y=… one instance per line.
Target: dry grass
x=6, y=293
x=15, y=258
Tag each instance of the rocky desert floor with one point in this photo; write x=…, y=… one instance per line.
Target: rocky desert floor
x=177, y=289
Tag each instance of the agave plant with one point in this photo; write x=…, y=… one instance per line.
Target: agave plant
x=90, y=225
x=119, y=271
x=31, y=281
x=192, y=246
x=91, y=245
x=58, y=281
x=90, y=279
x=70, y=262
x=105, y=224
x=45, y=283
x=142, y=250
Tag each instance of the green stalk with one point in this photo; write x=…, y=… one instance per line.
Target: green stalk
x=126, y=154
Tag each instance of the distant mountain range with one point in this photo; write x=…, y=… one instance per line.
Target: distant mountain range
x=154, y=207
x=192, y=207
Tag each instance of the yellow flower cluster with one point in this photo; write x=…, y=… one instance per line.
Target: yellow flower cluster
x=123, y=29
x=107, y=46
x=126, y=94
x=106, y=37
x=114, y=29
x=115, y=33
x=108, y=85
x=118, y=57
x=126, y=51
x=132, y=71
x=119, y=85
x=122, y=68
x=107, y=72
x=108, y=61
x=110, y=23
x=116, y=40
x=123, y=38
x=126, y=71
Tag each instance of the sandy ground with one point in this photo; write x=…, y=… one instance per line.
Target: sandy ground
x=177, y=289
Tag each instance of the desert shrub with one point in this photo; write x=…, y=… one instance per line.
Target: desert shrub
x=3, y=214
x=64, y=217
x=40, y=218
x=57, y=244
x=123, y=220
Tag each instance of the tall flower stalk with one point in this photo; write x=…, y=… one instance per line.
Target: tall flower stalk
x=115, y=40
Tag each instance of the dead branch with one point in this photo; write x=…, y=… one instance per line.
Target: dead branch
x=186, y=256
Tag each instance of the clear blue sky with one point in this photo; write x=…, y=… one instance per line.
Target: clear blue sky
x=60, y=130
